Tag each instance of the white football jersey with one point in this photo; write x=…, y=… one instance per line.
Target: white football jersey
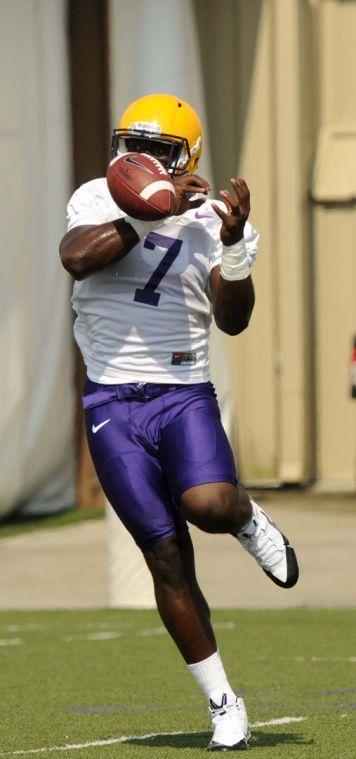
x=146, y=318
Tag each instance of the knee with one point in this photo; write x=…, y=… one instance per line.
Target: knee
x=217, y=507
x=165, y=564
x=211, y=508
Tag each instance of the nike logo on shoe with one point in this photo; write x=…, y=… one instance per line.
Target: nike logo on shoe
x=97, y=427
x=214, y=707
x=271, y=549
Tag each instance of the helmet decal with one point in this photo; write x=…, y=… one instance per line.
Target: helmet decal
x=183, y=159
x=195, y=149
x=152, y=127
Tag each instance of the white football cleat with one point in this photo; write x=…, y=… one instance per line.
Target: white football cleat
x=230, y=724
x=271, y=549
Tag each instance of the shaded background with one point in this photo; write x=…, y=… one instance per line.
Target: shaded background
x=273, y=83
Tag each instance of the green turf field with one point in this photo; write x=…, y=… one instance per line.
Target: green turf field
x=78, y=677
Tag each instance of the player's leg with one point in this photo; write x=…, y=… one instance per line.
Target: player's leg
x=187, y=553
x=199, y=466
x=180, y=606
x=223, y=508
x=131, y=476
x=186, y=615
x=184, y=558
x=133, y=481
x=217, y=507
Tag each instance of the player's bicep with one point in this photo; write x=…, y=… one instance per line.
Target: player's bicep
x=72, y=246
x=71, y=236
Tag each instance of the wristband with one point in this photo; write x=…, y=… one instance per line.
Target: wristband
x=142, y=228
x=235, y=263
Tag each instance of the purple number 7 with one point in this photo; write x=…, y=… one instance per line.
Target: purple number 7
x=147, y=294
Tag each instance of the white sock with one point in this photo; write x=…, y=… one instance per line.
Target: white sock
x=249, y=528
x=210, y=675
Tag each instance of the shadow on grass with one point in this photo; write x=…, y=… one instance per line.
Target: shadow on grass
x=200, y=740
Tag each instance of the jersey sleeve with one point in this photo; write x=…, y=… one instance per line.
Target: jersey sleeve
x=251, y=237
x=90, y=205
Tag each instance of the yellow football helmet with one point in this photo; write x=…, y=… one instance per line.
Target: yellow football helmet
x=164, y=126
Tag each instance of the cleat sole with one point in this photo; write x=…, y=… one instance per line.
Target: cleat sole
x=292, y=568
x=241, y=746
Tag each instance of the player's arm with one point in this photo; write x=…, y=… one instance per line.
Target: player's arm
x=233, y=302
x=231, y=285
x=87, y=249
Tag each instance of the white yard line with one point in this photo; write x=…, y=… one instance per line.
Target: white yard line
x=100, y=635
x=10, y=641
x=351, y=659
x=224, y=625
x=21, y=628
x=128, y=738
x=145, y=633
x=279, y=721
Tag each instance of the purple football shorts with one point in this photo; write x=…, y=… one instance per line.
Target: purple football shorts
x=149, y=443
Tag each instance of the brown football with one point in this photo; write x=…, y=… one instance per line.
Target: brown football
x=141, y=186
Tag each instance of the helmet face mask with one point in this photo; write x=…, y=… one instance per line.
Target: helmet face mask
x=172, y=151
x=164, y=126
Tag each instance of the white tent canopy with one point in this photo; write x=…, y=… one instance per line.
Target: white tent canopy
x=36, y=419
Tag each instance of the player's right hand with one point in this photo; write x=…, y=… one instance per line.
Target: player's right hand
x=238, y=209
x=185, y=186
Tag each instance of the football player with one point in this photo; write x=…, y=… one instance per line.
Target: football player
x=145, y=294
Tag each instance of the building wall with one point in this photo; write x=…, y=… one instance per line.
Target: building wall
x=277, y=77
x=334, y=244
x=255, y=118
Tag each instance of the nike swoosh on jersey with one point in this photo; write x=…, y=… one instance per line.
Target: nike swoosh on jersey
x=97, y=427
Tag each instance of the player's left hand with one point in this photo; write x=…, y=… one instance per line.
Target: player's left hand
x=186, y=187
x=238, y=209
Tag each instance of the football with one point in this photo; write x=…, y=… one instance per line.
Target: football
x=141, y=186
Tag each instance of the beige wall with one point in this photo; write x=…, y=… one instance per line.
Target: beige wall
x=276, y=71
x=255, y=77
x=334, y=225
